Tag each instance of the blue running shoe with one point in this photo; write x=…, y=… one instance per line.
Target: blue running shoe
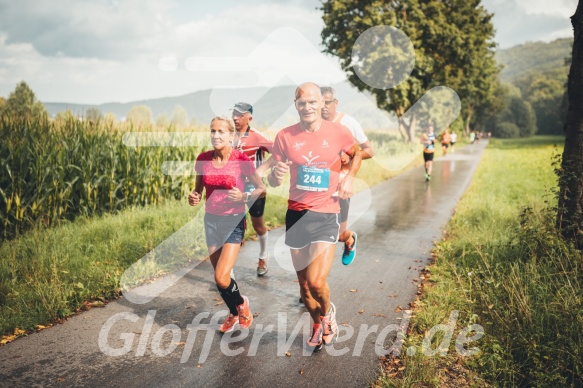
x=349, y=254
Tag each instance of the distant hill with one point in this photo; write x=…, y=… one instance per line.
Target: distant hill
x=273, y=107
x=530, y=57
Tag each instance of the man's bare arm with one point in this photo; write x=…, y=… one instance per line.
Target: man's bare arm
x=346, y=184
x=367, y=151
x=269, y=163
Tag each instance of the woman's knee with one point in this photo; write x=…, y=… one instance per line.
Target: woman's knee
x=223, y=280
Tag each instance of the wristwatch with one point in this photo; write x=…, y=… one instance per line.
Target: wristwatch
x=246, y=197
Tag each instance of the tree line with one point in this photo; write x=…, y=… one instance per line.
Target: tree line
x=454, y=47
x=22, y=104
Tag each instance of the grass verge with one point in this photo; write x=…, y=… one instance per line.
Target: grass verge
x=502, y=266
x=48, y=274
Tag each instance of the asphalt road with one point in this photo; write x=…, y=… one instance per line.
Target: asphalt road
x=172, y=340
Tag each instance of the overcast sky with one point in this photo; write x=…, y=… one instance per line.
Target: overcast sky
x=124, y=50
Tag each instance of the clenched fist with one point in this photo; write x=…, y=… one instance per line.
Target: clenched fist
x=194, y=198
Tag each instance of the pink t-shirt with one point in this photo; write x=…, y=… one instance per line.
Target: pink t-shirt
x=315, y=156
x=218, y=181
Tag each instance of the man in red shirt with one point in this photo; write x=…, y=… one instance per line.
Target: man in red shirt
x=310, y=150
x=253, y=144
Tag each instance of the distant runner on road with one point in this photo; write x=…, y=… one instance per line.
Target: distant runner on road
x=445, y=140
x=453, y=137
x=428, y=142
x=310, y=150
x=330, y=113
x=222, y=173
x=254, y=144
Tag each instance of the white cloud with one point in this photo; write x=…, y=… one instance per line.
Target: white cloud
x=520, y=21
x=237, y=31
x=103, y=51
x=566, y=32
x=284, y=55
x=559, y=8
x=111, y=50
x=94, y=29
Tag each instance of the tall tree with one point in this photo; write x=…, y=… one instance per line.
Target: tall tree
x=508, y=107
x=496, y=106
x=93, y=115
x=162, y=121
x=545, y=94
x=140, y=115
x=473, y=70
x=570, y=210
x=22, y=103
x=520, y=112
x=179, y=116
x=452, y=41
x=345, y=20
x=545, y=91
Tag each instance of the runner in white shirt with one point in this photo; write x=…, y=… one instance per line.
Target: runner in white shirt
x=330, y=113
x=453, y=137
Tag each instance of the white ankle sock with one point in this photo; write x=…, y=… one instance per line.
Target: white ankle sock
x=263, y=246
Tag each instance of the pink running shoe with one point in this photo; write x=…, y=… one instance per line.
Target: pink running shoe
x=315, y=340
x=245, y=316
x=330, y=327
x=230, y=323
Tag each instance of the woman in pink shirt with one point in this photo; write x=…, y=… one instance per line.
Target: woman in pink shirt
x=221, y=172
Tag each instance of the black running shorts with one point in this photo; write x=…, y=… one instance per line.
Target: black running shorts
x=305, y=227
x=258, y=208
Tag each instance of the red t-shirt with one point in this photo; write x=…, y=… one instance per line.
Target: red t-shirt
x=254, y=144
x=218, y=181
x=315, y=165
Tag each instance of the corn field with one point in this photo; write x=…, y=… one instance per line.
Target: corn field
x=55, y=170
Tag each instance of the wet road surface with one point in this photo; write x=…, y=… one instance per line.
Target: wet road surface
x=172, y=341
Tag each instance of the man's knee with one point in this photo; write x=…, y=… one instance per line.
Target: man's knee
x=317, y=285
x=258, y=225
x=304, y=286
